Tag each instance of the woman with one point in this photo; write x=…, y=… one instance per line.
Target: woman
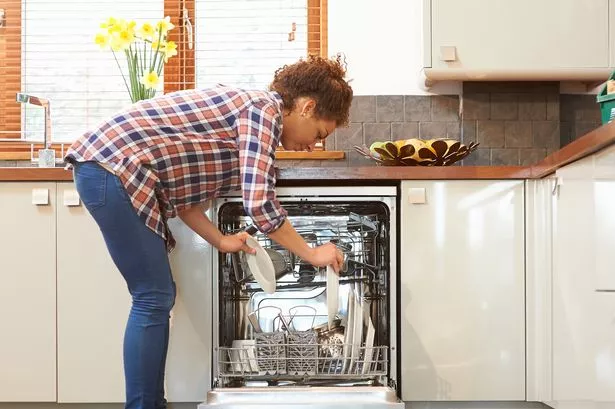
x=168, y=156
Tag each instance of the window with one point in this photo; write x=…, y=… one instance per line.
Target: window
x=242, y=42
x=47, y=50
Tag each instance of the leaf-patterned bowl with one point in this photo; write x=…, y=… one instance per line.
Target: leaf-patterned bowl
x=417, y=152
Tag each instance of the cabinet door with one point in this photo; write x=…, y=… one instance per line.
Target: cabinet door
x=188, y=376
x=93, y=306
x=573, y=291
x=462, y=291
x=522, y=34
x=28, y=300
x=583, y=304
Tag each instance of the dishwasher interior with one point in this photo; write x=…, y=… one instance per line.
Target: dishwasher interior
x=285, y=339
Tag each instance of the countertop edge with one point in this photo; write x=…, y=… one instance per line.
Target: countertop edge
x=586, y=145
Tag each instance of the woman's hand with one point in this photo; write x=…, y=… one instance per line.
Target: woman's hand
x=234, y=243
x=325, y=255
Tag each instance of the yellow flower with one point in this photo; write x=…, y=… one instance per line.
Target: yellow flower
x=102, y=40
x=156, y=44
x=150, y=80
x=170, y=50
x=146, y=31
x=109, y=24
x=165, y=25
x=118, y=43
x=119, y=25
x=126, y=37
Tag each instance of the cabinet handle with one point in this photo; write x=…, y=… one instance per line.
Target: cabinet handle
x=556, y=186
x=71, y=198
x=40, y=197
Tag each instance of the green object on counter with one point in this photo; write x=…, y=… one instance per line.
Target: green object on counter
x=607, y=102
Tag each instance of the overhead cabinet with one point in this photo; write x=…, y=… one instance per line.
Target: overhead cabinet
x=523, y=39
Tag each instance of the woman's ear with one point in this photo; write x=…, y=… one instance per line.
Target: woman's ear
x=308, y=106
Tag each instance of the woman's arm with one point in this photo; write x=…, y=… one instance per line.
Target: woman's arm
x=198, y=221
x=320, y=256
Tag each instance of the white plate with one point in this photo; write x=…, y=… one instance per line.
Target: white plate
x=348, y=331
x=261, y=266
x=369, y=346
x=333, y=285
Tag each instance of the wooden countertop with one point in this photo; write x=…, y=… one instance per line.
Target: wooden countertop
x=586, y=145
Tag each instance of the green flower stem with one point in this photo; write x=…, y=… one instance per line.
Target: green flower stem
x=133, y=79
x=121, y=72
x=151, y=68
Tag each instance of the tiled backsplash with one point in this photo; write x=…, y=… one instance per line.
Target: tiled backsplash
x=516, y=123
x=579, y=114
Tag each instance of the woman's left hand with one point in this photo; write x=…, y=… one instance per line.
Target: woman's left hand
x=235, y=242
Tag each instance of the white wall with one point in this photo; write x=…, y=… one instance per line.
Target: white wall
x=383, y=44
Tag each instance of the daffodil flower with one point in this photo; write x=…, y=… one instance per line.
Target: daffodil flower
x=126, y=37
x=111, y=22
x=146, y=31
x=117, y=44
x=165, y=25
x=159, y=45
x=170, y=50
x=102, y=40
x=150, y=80
x=143, y=66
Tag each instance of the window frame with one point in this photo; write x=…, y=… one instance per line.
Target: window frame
x=179, y=73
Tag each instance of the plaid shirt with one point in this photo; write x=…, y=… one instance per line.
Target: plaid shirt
x=186, y=147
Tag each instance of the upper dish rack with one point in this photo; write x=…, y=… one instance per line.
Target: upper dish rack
x=355, y=236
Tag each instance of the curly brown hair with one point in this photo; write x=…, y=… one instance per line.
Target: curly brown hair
x=318, y=78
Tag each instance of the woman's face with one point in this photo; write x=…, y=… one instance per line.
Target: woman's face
x=302, y=129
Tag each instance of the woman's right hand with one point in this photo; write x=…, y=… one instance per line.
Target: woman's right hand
x=326, y=255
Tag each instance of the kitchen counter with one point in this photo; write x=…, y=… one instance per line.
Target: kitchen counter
x=586, y=145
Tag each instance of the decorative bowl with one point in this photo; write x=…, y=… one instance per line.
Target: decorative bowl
x=417, y=152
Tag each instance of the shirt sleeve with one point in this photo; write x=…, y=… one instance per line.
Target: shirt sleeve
x=259, y=129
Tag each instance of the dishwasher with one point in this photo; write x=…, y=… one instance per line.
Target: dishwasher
x=284, y=348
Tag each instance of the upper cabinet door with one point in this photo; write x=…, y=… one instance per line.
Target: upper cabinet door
x=462, y=290
x=28, y=292
x=521, y=34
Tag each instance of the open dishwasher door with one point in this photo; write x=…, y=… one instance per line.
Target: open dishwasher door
x=301, y=346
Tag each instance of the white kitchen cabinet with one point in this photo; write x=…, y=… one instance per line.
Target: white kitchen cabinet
x=604, y=197
x=462, y=290
x=584, y=317
x=517, y=35
x=28, y=299
x=573, y=292
x=93, y=306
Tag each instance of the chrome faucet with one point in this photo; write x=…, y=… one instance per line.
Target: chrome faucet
x=30, y=99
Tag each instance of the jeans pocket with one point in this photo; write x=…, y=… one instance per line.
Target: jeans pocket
x=91, y=183
x=121, y=190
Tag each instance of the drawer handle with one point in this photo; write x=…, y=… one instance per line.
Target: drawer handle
x=40, y=197
x=71, y=198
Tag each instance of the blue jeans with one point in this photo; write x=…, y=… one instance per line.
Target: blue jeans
x=141, y=257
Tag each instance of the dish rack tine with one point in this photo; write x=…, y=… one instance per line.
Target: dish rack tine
x=292, y=315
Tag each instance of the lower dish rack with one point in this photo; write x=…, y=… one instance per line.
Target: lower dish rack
x=287, y=359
